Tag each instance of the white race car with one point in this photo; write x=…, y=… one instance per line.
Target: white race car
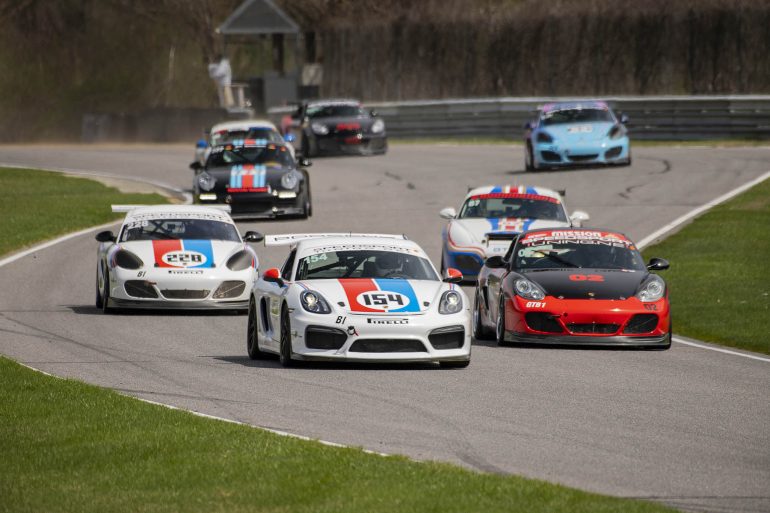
x=229, y=131
x=360, y=298
x=492, y=216
x=175, y=256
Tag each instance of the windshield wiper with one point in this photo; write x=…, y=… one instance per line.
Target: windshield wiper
x=556, y=258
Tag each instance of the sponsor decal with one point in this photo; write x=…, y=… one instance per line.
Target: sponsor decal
x=586, y=277
x=380, y=295
x=536, y=197
x=535, y=304
x=248, y=178
x=348, y=126
x=652, y=307
x=371, y=320
x=184, y=272
x=580, y=129
x=183, y=253
x=576, y=237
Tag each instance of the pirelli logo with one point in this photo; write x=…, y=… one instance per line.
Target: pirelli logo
x=387, y=321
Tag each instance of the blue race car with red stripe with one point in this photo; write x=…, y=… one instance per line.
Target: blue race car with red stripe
x=358, y=297
x=175, y=256
x=491, y=216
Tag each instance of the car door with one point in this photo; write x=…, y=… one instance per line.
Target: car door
x=277, y=296
x=494, y=282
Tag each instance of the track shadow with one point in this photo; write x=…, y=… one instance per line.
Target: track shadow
x=587, y=167
x=271, y=362
x=92, y=310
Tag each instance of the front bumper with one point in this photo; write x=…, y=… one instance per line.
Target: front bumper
x=627, y=322
x=607, y=151
x=352, y=144
x=254, y=205
x=185, y=289
x=378, y=338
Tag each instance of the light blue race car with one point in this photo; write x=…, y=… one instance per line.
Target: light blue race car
x=576, y=133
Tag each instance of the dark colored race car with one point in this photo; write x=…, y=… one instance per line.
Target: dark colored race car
x=256, y=178
x=337, y=127
x=573, y=286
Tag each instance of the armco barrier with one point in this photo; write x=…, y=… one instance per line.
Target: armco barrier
x=651, y=117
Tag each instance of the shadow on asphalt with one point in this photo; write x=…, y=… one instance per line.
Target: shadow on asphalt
x=271, y=362
x=92, y=310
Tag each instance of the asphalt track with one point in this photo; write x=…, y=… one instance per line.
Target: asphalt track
x=688, y=427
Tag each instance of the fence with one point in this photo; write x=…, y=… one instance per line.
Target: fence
x=675, y=118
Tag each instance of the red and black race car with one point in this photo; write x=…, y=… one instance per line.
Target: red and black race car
x=573, y=286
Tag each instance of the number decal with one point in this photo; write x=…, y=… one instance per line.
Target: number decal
x=586, y=277
x=650, y=307
x=383, y=300
x=340, y=320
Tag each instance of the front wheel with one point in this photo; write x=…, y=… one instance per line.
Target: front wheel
x=500, y=326
x=99, y=298
x=529, y=163
x=252, y=334
x=306, y=200
x=106, y=292
x=480, y=332
x=285, y=351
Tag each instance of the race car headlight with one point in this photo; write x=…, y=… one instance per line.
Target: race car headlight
x=127, y=260
x=290, y=180
x=451, y=302
x=616, y=132
x=319, y=128
x=314, y=302
x=240, y=261
x=544, y=137
x=652, y=289
x=527, y=289
x=378, y=126
x=206, y=182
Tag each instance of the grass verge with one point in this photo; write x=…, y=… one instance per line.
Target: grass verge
x=40, y=205
x=720, y=288
x=68, y=446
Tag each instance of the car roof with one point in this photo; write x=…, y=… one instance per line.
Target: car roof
x=334, y=101
x=243, y=124
x=514, y=190
x=178, y=212
x=587, y=104
x=324, y=244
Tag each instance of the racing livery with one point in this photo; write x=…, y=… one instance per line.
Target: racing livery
x=492, y=216
x=573, y=286
x=570, y=133
x=175, y=256
x=337, y=126
x=223, y=133
x=256, y=177
x=358, y=297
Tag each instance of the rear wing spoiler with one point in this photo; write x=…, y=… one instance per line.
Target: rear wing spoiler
x=293, y=238
x=129, y=208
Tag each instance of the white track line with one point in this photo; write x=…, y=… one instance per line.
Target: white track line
x=720, y=350
x=696, y=212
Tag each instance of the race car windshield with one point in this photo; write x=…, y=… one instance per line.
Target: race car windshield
x=364, y=264
x=584, y=253
x=266, y=155
x=500, y=206
x=226, y=136
x=335, y=111
x=558, y=117
x=174, y=229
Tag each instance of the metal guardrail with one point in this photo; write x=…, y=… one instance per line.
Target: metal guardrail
x=651, y=117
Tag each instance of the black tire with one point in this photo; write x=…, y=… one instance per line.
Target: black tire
x=306, y=200
x=455, y=364
x=99, y=300
x=305, y=148
x=500, y=325
x=252, y=347
x=285, y=351
x=106, y=292
x=529, y=160
x=480, y=332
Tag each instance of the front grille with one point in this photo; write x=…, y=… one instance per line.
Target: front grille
x=583, y=158
x=387, y=345
x=603, y=329
x=550, y=156
x=467, y=263
x=320, y=337
x=229, y=289
x=450, y=337
x=641, y=323
x=140, y=288
x=184, y=294
x=542, y=321
x=502, y=235
x=613, y=152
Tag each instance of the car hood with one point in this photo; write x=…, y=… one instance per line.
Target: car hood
x=184, y=253
x=345, y=124
x=474, y=230
x=573, y=132
x=246, y=177
x=587, y=283
x=379, y=296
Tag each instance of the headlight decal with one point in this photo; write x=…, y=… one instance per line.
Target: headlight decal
x=378, y=126
x=319, y=128
x=314, y=302
x=206, y=182
x=451, y=302
x=127, y=260
x=290, y=180
x=544, y=137
x=241, y=261
x=528, y=289
x=652, y=289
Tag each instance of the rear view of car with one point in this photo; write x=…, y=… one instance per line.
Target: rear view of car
x=576, y=133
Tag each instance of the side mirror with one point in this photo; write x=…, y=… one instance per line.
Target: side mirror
x=273, y=275
x=658, y=264
x=623, y=119
x=305, y=162
x=452, y=275
x=253, y=237
x=374, y=113
x=495, y=262
x=290, y=138
x=196, y=166
x=448, y=213
x=579, y=217
x=106, y=236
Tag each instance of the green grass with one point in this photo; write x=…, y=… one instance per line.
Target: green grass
x=68, y=446
x=719, y=280
x=39, y=205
